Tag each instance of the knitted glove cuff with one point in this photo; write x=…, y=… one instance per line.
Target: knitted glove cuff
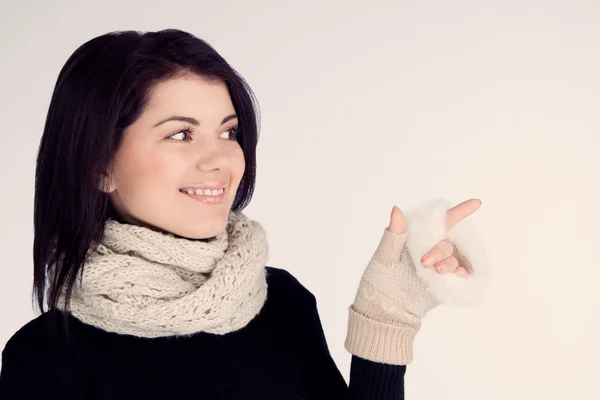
x=378, y=341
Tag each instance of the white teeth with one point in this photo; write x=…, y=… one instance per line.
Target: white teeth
x=204, y=192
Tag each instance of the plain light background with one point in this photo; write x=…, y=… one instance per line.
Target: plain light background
x=367, y=104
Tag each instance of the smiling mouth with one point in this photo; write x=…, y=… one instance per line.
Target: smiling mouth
x=203, y=192
x=206, y=198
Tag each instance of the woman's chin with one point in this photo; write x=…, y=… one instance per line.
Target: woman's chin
x=205, y=229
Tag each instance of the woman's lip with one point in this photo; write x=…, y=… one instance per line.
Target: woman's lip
x=206, y=199
x=210, y=186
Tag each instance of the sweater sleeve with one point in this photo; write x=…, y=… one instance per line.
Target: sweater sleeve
x=29, y=372
x=368, y=379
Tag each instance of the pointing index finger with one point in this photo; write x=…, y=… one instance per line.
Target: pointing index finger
x=461, y=211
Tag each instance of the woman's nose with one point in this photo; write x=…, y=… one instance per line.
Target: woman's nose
x=212, y=157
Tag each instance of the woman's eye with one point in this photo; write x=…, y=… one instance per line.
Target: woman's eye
x=179, y=136
x=184, y=135
x=231, y=133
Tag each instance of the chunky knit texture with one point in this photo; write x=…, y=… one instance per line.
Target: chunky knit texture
x=389, y=304
x=148, y=283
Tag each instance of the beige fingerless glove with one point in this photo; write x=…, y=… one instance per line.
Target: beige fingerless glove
x=389, y=304
x=395, y=291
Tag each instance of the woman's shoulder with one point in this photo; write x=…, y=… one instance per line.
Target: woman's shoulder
x=35, y=336
x=288, y=296
x=34, y=351
x=32, y=332
x=284, y=283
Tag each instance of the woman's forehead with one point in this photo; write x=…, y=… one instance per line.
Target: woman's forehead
x=193, y=97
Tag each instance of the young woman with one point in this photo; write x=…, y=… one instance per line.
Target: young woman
x=155, y=282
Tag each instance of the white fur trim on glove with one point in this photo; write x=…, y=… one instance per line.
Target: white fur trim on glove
x=426, y=227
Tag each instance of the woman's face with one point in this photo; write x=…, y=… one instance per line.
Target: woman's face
x=158, y=159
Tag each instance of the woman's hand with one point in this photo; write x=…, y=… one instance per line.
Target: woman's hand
x=444, y=256
x=395, y=292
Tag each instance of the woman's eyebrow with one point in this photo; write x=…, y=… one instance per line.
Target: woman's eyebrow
x=192, y=121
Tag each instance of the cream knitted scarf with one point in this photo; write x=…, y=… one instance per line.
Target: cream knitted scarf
x=147, y=283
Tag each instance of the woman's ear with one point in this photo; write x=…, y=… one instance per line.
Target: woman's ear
x=106, y=182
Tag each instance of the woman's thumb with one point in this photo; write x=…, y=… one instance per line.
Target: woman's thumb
x=397, y=222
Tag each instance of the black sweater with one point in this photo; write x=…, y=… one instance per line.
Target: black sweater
x=280, y=354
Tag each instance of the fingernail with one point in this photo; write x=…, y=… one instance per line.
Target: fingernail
x=428, y=261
